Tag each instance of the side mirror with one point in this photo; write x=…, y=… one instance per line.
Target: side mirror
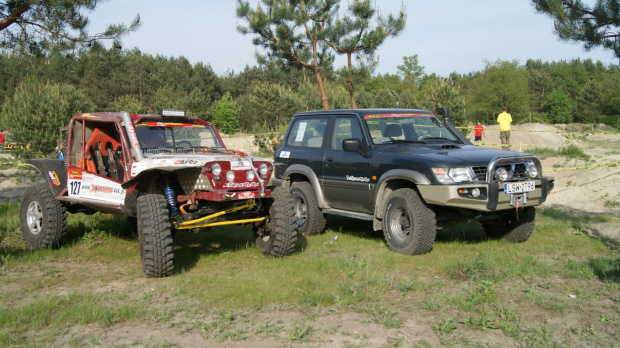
x=351, y=144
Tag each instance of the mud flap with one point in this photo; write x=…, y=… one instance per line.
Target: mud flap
x=53, y=171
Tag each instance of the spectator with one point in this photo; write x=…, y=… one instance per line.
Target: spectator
x=1, y=139
x=504, y=120
x=478, y=133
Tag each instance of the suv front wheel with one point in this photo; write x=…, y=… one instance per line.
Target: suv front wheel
x=309, y=217
x=155, y=236
x=409, y=226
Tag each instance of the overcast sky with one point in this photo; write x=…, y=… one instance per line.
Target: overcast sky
x=447, y=35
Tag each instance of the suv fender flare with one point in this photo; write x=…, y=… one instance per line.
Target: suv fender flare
x=53, y=171
x=312, y=178
x=382, y=191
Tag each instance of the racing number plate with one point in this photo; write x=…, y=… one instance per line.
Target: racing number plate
x=518, y=187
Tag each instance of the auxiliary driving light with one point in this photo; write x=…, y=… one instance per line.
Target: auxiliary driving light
x=532, y=171
x=249, y=175
x=475, y=193
x=501, y=174
x=230, y=175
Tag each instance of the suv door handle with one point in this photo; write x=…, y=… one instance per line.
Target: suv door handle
x=329, y=159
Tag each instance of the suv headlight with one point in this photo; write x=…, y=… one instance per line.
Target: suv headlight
x=217, y=169
x=452, y=175
x=263, y=168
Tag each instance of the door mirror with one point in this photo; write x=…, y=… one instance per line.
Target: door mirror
x=352, y=144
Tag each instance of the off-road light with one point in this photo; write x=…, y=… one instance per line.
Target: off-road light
x=230, y=175
x=531, y=171
x=216, y=169
x=501, y=174
x=175, y=113
x=263, y=168
x=249, y=175
x=475, y=193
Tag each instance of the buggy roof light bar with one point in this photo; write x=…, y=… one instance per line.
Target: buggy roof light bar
x=175, y=113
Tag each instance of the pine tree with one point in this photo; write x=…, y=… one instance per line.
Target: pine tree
x=293, y=34
x=594, y=26
x=354, y=34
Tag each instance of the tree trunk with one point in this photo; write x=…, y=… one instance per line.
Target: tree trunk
x=350, y=82
x=319, y=81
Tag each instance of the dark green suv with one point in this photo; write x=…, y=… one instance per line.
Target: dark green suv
x=409, y=172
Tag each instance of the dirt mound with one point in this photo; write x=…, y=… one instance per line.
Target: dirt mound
x=523, y=136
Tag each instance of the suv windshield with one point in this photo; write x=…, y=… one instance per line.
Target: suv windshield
x=407, y=127
x=157, y=137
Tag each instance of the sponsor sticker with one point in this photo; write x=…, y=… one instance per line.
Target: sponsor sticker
x=241, y=184
x=75, y=174
x=358, y=178
x=53, y=178
x=285, y=154
x=240, y=165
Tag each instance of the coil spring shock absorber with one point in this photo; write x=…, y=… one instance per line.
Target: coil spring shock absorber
x=169, y=194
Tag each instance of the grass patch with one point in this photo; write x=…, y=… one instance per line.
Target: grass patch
x=467, y=283
x=574, y=151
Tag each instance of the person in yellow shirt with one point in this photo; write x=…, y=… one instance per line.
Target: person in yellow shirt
x=504, y=120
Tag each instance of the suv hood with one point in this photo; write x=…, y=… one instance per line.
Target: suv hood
x=468, y=155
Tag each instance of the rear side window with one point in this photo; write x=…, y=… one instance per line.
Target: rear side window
x=307, y=132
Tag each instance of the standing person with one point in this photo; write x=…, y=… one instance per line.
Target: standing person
x=1, y=139
x=478, y=133
x=504, y=120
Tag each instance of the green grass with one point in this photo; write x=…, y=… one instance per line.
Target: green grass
x=574, y=151
x=467, y=283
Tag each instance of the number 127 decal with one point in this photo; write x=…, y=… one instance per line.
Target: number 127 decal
x=75, y=187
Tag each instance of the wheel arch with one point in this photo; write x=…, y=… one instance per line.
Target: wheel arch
x=390, y=181
x=53, y=171
x=298, y=172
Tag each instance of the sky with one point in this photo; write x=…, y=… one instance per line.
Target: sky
x=447, y=35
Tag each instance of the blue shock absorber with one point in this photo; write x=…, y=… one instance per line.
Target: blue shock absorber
x=170, y=198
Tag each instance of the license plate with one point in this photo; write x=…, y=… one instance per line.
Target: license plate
x=517, y=187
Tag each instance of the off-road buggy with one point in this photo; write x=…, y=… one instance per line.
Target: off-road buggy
x=167, y=173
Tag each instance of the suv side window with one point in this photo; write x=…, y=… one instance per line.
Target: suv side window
x=345, y=128
x=307, y=132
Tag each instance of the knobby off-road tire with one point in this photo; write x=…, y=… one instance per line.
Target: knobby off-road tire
x=43, y=219
x=154, y=235
x=310, y=219
x=278, y=236
x=513, y=229
x=409, y=226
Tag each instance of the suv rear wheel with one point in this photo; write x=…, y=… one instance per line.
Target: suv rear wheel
x=154, y=235
x=409, y=226
x=513, y=228
x=310, y=219
x=43, y=219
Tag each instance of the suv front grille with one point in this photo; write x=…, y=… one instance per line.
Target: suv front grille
x=480, y=172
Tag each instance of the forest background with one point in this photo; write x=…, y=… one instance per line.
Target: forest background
x=42, y=91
